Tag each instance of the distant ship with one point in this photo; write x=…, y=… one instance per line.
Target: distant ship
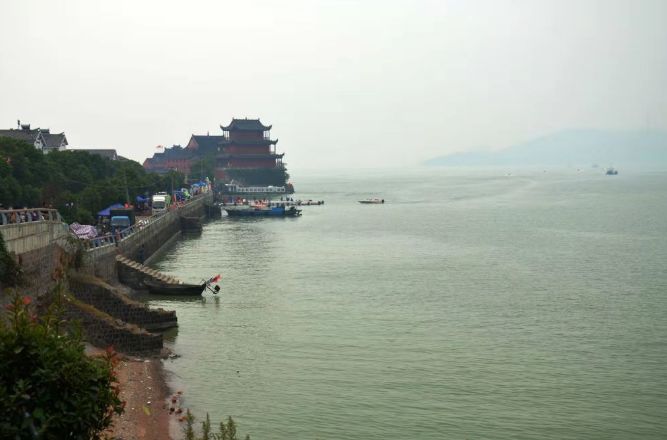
x=373, y=201
x=611, y=171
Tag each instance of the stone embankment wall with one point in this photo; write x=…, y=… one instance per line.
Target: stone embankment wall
x=134, y=274
x=108, y=317
x=21, y=238
x=42, y=267
x=139, y=246
x=102, y=330
x=37, y=239
x=109, y=300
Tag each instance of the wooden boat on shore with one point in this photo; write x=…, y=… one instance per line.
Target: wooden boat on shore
x=160, y=288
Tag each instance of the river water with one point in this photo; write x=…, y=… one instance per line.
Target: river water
x=470, y=305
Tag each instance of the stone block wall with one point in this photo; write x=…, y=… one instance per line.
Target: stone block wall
x=107, y=299
x=102, y=330
x=41, y=267
x=144, y=243
x=25, y=237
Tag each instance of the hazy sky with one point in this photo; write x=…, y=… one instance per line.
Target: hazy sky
x=361, y=83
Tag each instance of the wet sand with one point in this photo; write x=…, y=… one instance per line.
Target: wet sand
x=144, y=388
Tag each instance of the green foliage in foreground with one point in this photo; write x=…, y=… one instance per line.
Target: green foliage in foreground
x=49, y=389
x=225, y=431
x=77, y=183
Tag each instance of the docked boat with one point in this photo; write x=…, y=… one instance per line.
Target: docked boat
x=372, y=201
x=160, y=288
x=261, y=211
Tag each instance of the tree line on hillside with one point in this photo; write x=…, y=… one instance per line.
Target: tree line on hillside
x=77, y=183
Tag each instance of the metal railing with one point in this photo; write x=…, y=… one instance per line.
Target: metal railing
x=112, y=239
x=29, y=215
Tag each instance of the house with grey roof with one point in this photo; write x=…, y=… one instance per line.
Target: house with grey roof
x=40, y=138
x=54, y=141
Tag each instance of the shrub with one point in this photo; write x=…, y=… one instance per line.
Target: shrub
x=225, y=431
x=49, y=388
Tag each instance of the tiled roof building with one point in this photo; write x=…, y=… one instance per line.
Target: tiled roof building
x=41, y=138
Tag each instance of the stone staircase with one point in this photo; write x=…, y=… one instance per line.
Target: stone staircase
x=133, y=273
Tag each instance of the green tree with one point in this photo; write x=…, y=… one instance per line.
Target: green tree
x=77, y=183
x=49, y=388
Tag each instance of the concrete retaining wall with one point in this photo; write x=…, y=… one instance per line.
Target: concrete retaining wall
x=144, y=243
x=103, y=330
x=106, y=298
x=42, y=267
x=26, y=237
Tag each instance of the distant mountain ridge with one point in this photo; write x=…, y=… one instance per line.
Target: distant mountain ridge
x=572, y=147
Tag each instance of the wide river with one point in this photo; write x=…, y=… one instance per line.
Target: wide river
x=471, y=305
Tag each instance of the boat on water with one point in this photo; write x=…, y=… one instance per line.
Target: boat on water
x=372, y=201
x=261, y=211
x=157, y=287
x=611, y=171
x=160, y=288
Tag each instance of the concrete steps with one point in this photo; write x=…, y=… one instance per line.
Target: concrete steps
x=146, y=271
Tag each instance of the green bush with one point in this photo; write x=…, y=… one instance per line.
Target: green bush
x=49, y=388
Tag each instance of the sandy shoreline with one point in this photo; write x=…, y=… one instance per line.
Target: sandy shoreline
x=151, y=409
x=145, y=391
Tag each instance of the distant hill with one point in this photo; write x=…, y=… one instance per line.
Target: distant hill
x=572, y=147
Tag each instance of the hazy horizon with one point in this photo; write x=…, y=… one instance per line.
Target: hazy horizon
x=344, y=84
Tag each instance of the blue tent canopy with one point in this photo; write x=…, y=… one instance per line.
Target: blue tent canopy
x=141, y=199
x=106, y=212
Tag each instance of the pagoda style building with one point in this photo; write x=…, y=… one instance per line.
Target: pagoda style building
x=248, y=155
x=244, y=154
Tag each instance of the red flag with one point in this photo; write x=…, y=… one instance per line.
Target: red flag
x=215, y=279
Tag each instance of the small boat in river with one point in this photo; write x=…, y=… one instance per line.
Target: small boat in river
x=161, y=288
x=181, y=289
x=373, y=201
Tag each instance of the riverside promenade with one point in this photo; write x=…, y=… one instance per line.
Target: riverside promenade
x=44, y=248
x=37, y=236
x=141, y=241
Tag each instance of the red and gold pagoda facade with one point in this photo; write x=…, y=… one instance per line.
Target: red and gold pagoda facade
x=246, y=145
